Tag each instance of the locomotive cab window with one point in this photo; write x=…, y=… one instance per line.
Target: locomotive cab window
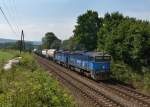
x=91, y=58
x=102, y=58
x=107, y=58
x=98, y=58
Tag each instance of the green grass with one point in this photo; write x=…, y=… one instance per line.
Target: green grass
x=28, y=85
x=5, y=55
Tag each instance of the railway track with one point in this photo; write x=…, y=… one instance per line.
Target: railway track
x=117, y=94
x=99, y=98
x=130, y=94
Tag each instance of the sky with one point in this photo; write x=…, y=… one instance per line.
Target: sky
x=36, y=17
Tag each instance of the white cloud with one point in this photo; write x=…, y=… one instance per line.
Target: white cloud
x=63, y=30
x=35, y=31
x=144, y=15
x=6, y=32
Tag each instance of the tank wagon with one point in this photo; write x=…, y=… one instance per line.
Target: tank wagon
x=44, y=52
x=51, y=53
x=48, y=53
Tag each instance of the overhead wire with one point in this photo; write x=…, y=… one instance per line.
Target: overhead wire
x=11, y=9
x=14, y=10
x=9, y=12
x=7, y=20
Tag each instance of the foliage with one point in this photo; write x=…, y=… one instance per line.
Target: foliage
x=126, y=39
x=16, y=45
x=85, y=32
x=69, y=44
x=56, y=44
x=27, y=85
x=9, y=45
x=50, y=40
x=26, y=46
x=122, y=72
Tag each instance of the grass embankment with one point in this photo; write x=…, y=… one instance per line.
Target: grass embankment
x=27, y=85
x=126, y=74
x=5, y=55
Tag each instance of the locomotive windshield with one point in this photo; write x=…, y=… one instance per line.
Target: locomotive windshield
x=107, y=57
x=98, y=58
x=102, y=58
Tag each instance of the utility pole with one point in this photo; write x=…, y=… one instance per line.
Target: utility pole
x=22, y=42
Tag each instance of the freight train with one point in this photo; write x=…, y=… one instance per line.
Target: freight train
x=95, y=65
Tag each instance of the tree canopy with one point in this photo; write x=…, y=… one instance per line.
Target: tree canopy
x=85, y=32
x=126, y=39
x=50, y=41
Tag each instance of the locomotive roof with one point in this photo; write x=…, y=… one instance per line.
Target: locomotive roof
x=61, y=51
x=51, y=49
x=93, y=54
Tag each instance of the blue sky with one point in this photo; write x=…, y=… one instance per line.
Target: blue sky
x=36, y=17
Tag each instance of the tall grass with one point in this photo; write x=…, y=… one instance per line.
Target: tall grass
x=28, y=85
x=5, y=55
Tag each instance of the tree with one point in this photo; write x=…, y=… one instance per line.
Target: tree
x=18, y=44
x=56, y=44
x=65, y=45
x=48, y=40
x=85, y=32
x=107, y=33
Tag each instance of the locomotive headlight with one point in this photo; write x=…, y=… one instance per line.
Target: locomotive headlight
x=103, y=67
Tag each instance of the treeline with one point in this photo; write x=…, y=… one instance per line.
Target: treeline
x=29, y=46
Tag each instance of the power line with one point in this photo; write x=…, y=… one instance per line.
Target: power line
x=7, y=20
x=11, y=12
x=14, y=10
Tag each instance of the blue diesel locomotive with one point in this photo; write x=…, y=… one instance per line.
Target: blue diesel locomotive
x=92, y=64
x=61, y=57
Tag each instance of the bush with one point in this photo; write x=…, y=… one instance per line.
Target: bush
x=120, y=72
x=126, y=74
